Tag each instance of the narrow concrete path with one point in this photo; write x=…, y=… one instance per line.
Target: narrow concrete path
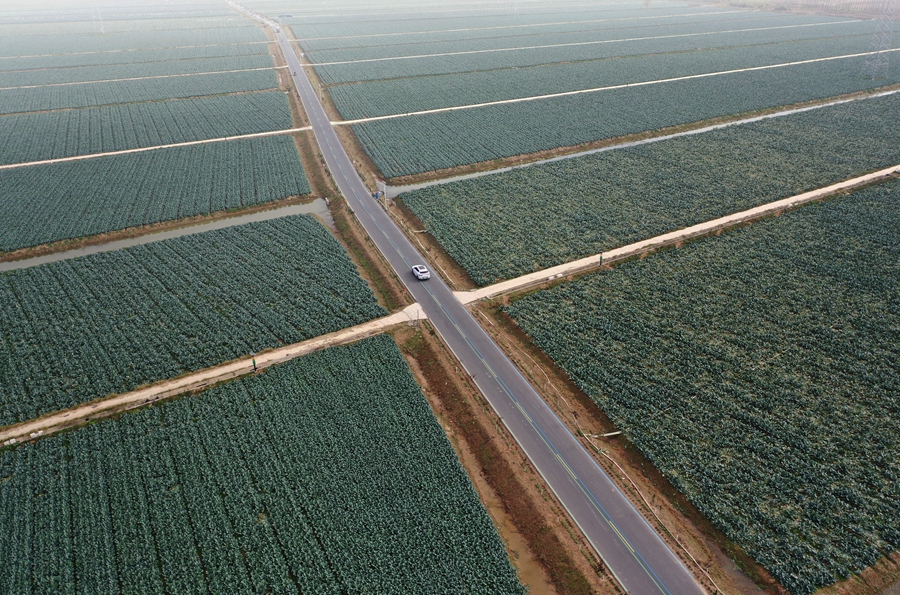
x=609, y=88
x=393, y=191
x=142, y=78
x=154, y=148
x=61, y=420
x=638, y=248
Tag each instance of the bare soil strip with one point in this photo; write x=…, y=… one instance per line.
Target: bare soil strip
x=62, y=420
x=609, y=88
x=155, y=148
x=141, y=78
x=564, y=45
x=668, y=239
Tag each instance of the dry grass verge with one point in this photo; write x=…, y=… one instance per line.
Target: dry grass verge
x=493, y=460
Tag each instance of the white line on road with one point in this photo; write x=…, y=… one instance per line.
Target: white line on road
x=594, y=261
x=142, y=78
x=578, y=43
x=155, y=148
x=608, y=88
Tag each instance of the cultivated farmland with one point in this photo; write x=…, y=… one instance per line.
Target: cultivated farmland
x=511, y=223
x=135, y=125
x=46, y=203
x=759, y=371
x=327, y=474
x=80, y=329
x=617, y=62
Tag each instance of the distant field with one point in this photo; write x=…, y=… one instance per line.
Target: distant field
x=327, y=474
x=27, y=45
x=46, y=203
x=81, y=329
x=504, y=225
x=49, y=98
x=431, y=59
x=89, y=74
x=759, y=372
x=132, y=56
x=33, y=137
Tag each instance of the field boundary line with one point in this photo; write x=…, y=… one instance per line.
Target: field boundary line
x=463, y=30
x=581, y=43
x=393, y=191
x=175, y=47
x=61, y=420
x=142, y=78
x=608, y=88
x=636, y=249
x=155, y=148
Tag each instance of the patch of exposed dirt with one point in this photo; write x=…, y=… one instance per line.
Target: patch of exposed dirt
x=544, y=544
x=879, y=579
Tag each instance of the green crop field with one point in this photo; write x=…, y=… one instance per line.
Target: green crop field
x=84, y=328
x=327, y=474
x=504, y=225
x=9, y=64
x=71, y=96
x=618, y=60
x=107, y=72
x=759, y=371
x=135, y=125
x=60, y=201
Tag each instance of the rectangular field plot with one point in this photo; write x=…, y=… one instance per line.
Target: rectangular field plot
x=51, y=135
x=131, y=56
x=47, y=203
x=71, y=96
x=93, y=74
x=508, y=224
x=759, y=372
x=81, y=329
x=327, y=474
x=31, y=45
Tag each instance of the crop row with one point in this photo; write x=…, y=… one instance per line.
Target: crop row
x=30, y=45
x=51, y=135
x=80, y=329
x=72, y=96
x=125, y=23
x=47, y=203
x=378, y=98
x=527, y=219
x=326, y=474
x=513, y=32
x=410, y=145
x=87, y=74
x=132, y=57
x=759, y=371
x=709, y=52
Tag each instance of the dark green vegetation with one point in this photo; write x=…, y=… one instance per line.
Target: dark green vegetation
x=327, y=474
x=80, y=329
x=759, y=371
x=135, y=125
x=71, y=96
x=508, y=224
x=45, y=203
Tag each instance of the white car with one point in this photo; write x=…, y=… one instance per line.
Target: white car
x=421, y=272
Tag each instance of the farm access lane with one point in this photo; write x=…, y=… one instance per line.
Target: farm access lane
x=635, y=554
x=596, y=260
x=61, y=420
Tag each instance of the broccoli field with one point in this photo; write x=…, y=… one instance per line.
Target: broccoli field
x=759, y=371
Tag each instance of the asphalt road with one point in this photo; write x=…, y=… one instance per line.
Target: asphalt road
x=631, y=549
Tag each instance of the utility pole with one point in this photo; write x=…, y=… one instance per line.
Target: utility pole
x=878, y=64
